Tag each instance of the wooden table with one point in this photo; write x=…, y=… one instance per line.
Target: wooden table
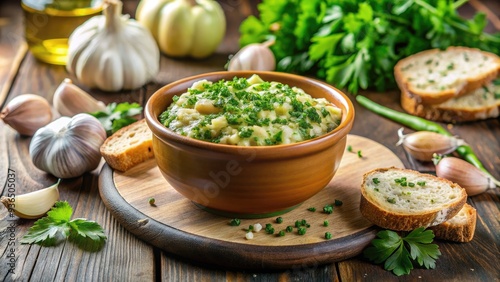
x=126, y=258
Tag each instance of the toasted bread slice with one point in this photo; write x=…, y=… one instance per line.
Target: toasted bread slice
x=479, y=104
x=404, y=199
x=460, y=228
x=436, y=76
x=128, y=146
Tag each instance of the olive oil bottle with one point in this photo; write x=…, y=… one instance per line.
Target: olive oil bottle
x=49, y=23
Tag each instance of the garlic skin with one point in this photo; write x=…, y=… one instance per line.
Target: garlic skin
x=35, y=204
x=27, y=113
x=422, y=145
x=113, y=52
x=255, y=56
x=469, y=177
x=70, y=100
x=68, y=147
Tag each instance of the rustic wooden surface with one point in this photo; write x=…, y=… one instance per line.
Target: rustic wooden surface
x=175, y=218
x=127, y=258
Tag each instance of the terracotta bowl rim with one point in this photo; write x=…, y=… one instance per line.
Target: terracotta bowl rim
x=164, y=133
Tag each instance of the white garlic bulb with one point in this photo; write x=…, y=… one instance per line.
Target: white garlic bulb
x=113, y=52
x=68, y=147
x=70, y=100
x=26, y=113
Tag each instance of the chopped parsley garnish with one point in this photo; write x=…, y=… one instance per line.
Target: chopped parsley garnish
x=328, y=209
x=214, y=111
x=235, y=222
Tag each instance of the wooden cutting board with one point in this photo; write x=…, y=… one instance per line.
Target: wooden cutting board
x=174, y=224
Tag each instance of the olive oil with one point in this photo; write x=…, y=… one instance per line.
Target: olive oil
x=48, y=25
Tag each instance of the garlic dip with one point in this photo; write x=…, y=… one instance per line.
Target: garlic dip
x=249, y=112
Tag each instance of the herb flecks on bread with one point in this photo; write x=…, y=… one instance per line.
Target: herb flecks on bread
x=436, y=76
x=128, y=146
x=403, y=199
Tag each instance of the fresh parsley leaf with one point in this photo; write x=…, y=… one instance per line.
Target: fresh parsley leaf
x=116, y=116
x=88, y=235
x=57, y=226
x=392, y=250
x=46, y=232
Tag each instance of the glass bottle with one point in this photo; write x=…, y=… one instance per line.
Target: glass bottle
x=49, y=23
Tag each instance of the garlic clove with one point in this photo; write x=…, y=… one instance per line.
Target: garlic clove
x=422, y=145
x=27, y=113
x=70, y=100
x=469, y=177
x=33, y=205
x=255, y=56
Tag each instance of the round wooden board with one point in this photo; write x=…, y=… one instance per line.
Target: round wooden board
x=176, y=225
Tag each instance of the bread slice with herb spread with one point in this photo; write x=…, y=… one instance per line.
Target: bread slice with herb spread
x=479, y=104
x=460, y=228
x=404, y=199
x=436, y=76
x=129, y=146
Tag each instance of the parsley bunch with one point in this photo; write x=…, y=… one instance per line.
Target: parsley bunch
x=355, y=44
x=116, y=116
x=399, y=253
x=57, y=226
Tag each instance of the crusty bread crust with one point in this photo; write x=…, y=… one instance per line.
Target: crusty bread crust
x=381, y=214
x=449, y=112
x=459, y=81
x=460, y=228
x=128, y=146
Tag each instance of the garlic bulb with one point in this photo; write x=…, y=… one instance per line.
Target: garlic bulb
x=469, y=177
x=422, y=145
x=112, y=51
x=68, y=147
x=26, y=113
x=33, y=205
x=255, y=56
x=70, y=100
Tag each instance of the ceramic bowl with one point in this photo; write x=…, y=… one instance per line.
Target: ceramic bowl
x=253, y=181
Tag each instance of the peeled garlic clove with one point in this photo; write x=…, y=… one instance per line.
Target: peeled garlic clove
x=469, y=177
x=27, y=113
x=422, y=145
x=255, y=56
x=33, y=205
x=70, y=100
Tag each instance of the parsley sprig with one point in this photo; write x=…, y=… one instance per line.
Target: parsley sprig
x=399, y=253
x=57, y=226
x=354, y=44
x=117, y=115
